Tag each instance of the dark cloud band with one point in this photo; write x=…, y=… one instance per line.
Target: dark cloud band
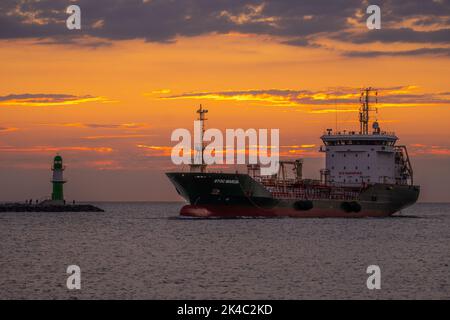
x=297, y=22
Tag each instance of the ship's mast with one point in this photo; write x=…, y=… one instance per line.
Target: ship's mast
x=200, y=165
x=201, y=117
x=364, y=110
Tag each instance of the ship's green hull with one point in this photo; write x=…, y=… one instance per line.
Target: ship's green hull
x=239, y=195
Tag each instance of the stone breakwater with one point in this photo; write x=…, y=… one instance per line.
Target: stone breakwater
x=22, y=207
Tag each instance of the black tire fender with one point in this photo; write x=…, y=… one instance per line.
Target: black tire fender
x=356, y=207
x=303, y=205
x=351, y=206
x=346, y=206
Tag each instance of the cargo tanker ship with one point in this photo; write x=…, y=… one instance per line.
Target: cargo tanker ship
x=366, y=174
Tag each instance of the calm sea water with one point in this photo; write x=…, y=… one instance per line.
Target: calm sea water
x=143, y=251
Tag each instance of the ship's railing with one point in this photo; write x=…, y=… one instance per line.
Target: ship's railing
x=355, y=133
x=282, y=192
x=270, y=180
x=310, y=189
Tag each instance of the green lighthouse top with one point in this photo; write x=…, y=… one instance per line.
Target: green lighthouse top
x=57, y=162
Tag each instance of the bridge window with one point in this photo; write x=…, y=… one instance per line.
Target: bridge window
x=359, y=142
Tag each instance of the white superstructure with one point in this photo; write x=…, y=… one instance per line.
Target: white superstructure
x=357, y=158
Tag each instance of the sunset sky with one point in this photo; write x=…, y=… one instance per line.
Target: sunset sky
x=108, y=96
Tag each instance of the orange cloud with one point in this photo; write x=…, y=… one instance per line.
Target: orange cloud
x=156, y=92
x=440, y=152
x=300, y=146
x=47, y=100
x=105, y=165
x=2, y=129
x=157, y=151
x=45, y=149
x=339, y=99
x=422, y=149
x=303, y=150
x=131, y=125
x=116, y=136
